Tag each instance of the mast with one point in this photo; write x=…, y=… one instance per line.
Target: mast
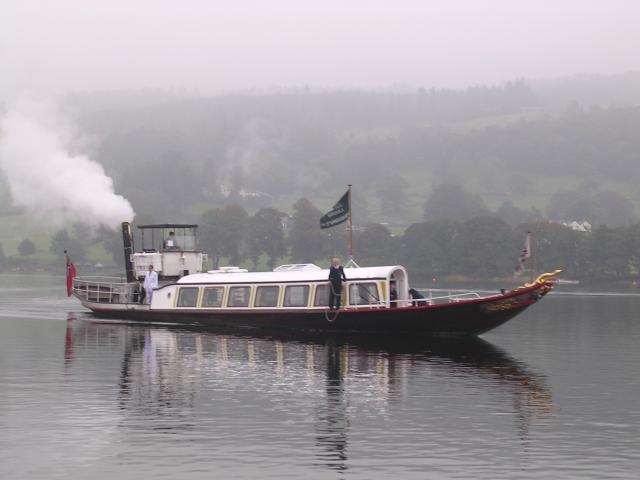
x=533, y=259
x=350, y=228
x=351, y=262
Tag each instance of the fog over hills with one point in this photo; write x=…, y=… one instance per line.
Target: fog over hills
x=516, y=142
x=520, y=142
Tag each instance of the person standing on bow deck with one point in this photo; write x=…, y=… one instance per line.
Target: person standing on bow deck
x=336, y=276
x=150, y=282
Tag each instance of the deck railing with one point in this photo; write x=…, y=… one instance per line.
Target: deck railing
x=105, y=290
x=113, y=290
x=454, y=297
x=440, y=297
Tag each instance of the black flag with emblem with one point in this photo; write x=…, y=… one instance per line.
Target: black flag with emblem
x=338, y=214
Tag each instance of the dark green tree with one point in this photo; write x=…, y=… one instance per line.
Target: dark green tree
x=266, y=235
x=553, y=246
x=26, y=247
x=223, y=233
x=308, y=242
x=375, y=245
x=427, y=248
x=484, y=248
x=606, y=255
x=336, y=241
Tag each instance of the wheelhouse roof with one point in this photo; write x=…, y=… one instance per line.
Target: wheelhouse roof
x=301, y=276
x=169, y=225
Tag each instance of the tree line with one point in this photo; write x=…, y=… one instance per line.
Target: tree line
x=479, y=246
x=482, y=246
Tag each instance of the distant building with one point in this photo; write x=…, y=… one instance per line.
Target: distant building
x=583, y=226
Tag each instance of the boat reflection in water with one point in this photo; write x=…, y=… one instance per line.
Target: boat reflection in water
x=179, y=378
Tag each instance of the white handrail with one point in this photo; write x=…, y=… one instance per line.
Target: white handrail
x=456, y=296
x=450, y=297
x=101, y=290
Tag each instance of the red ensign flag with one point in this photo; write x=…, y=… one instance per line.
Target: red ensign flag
x=71, y=273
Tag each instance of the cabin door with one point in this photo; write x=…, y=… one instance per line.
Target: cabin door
x=402, y=287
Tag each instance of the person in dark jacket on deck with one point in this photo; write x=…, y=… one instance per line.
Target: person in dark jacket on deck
x=336, y=277
x=418, y=298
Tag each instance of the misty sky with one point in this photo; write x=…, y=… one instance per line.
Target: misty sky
x=208, y=45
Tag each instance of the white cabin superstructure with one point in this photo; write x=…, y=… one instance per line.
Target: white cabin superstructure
x=300, y=287
x=168, y=264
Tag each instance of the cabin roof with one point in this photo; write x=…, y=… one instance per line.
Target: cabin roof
x=289, y=276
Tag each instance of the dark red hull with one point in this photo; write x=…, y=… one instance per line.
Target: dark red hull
x=468, y=317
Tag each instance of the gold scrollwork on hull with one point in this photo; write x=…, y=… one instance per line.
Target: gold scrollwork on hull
x=508, y=304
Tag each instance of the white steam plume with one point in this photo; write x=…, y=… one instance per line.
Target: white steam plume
x=48, y=180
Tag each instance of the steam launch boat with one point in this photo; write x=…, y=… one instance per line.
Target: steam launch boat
x=290, y=298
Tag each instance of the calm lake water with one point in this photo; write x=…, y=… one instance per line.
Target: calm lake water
x=555, y=393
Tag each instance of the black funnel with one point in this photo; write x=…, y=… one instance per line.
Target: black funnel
x=127, y=242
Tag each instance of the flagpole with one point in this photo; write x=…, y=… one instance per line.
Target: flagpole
x=533, y=259
x=350, y=228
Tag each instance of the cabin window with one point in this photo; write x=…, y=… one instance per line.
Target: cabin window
x=188, y=297
x=364, y=293
x=239, y=296
x=322, y=296
x=267, y=296
x=212, y=297
x=296, y=296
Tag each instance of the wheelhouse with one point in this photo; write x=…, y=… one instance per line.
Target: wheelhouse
x=171, y=248
x=168, y=237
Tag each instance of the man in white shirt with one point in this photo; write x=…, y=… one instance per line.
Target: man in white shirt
x=150, y=282
x=170, y=243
